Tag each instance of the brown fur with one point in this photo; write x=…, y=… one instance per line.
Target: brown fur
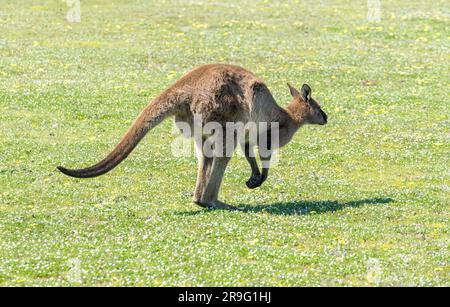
x=220, y=93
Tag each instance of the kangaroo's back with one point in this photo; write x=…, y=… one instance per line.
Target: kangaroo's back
x=225, y=92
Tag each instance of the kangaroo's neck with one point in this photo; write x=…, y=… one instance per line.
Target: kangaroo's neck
x=296, y=114
x=291, y=119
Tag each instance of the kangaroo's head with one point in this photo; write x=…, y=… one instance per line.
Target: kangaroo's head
x=308, y=107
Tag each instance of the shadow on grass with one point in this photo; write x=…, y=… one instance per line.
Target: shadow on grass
x=302, y=207
x=307, y=207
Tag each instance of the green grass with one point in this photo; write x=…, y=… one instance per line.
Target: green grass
x=361, y=201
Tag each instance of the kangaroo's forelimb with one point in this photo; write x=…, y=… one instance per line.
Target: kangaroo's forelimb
x=255, y=179
x=265, y=153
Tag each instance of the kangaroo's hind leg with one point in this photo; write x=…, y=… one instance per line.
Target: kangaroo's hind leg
x=203, y=171
x=211, y=193
x=222, y=155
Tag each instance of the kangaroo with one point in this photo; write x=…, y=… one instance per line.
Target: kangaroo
x=218, y=93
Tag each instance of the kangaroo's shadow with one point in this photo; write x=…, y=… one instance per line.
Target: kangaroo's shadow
x=302, y=207
x=307, y=207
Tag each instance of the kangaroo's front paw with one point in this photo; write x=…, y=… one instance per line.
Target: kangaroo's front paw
x=254, y=181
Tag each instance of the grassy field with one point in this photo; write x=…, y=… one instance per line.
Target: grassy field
x=361, y=201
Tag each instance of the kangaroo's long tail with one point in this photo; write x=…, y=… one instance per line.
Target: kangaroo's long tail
x=151, y=116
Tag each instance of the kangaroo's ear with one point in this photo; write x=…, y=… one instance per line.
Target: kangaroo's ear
x=294, y=91
x=306, y=92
